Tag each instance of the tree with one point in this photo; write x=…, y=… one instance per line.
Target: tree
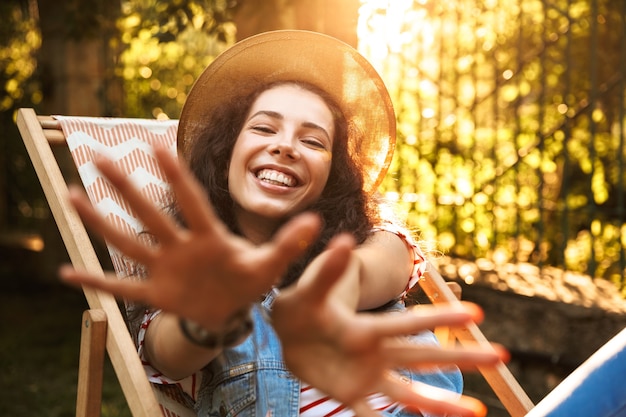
x=132, y=58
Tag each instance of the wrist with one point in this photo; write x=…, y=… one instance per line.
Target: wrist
x=235, y=330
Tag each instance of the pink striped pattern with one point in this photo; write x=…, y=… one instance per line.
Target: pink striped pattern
x=129, y=143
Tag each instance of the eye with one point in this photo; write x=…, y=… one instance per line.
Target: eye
x=314, y=143
x=263, y=129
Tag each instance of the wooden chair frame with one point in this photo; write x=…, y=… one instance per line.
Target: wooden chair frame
x=103, y=323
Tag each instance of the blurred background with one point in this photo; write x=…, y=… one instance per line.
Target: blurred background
x=510, y=157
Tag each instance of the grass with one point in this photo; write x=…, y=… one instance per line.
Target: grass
x=39, y=349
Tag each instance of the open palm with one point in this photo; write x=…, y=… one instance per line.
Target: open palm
x=350, y=355
x=191, y=266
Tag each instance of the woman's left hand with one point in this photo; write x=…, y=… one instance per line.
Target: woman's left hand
x=350, y=355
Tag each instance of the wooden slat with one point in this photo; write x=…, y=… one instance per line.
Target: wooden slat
x=52, y=130
x=443, y=333
x=499, y=378
x=120, y=346
x=54, y=137
x=49, y=122
x=91, y=363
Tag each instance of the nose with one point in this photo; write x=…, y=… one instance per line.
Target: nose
x=283, y=147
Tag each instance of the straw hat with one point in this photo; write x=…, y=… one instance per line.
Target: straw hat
x=314, y=58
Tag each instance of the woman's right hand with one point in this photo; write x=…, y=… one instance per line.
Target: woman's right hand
x=203, y=272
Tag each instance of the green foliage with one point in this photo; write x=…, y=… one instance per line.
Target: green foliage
x=20, y=41
x=22, y=204
x=510, y=127
x=165, y=47
x=510, y=113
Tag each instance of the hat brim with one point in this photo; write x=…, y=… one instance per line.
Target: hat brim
x=313, y=58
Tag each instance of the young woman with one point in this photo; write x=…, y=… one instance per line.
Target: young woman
x=276, y=279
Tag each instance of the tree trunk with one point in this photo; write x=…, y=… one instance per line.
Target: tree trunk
x=76, y=67
x=76, y=61
x=332, y=17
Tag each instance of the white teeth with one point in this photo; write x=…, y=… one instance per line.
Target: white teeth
x=276, y=177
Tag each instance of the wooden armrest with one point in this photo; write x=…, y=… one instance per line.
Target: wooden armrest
x=91, y=363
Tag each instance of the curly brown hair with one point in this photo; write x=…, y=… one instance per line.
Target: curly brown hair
x=343, y=206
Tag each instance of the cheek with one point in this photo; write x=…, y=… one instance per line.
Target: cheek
x=324, y=174
x=236, y=161
x=234, y=174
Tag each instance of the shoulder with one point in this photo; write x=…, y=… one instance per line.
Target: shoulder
x=406, y=236
x=401, y=232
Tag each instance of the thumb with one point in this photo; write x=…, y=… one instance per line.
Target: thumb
x=293, y=239
x=332, y=264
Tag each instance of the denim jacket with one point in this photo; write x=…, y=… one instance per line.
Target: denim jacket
x=251, y=380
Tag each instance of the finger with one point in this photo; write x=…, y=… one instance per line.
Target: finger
x=128, y=245
x=191, y=198
x=426, y=398
x=417, y=319
x=415, y=356
x=362, y=409
x=290, y=242
x=152, y=217
x=337, y=258
x=126, y=288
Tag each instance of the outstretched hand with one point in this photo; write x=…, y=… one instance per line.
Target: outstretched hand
x=350, y=355
x=189, y=266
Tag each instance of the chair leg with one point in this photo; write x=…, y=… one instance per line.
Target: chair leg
x=91, y=363
x=444, y=334
x=500, y=378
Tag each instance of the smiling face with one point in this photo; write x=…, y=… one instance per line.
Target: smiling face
x=282, y=157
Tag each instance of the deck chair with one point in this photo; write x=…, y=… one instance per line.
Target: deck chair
x=103, y=323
